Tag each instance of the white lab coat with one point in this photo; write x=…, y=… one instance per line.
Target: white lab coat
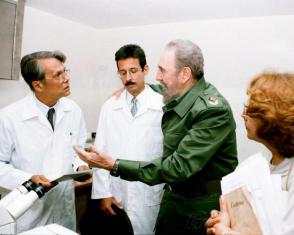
x=28, y=146
x=121, y=135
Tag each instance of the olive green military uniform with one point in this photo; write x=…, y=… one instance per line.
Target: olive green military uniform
x=199, y=148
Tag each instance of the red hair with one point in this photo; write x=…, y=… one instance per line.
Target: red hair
x=271, y=100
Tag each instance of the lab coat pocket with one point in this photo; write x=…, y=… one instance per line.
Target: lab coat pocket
x=153, y=195
x=69, y=141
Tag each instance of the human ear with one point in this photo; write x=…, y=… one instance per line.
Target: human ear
x=37, y=85
x=186, y=74
x=146, y=69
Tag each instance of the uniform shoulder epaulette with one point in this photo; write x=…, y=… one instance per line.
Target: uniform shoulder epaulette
x=211, y=100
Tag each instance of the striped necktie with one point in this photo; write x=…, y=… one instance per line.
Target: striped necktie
x=134, y=107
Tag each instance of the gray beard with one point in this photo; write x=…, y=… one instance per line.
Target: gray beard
x=168, y=96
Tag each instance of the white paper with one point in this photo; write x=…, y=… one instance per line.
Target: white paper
x=74, y=175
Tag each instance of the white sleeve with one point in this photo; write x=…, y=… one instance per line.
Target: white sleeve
x=81, y=140
x=101, y=179
x=10, y=177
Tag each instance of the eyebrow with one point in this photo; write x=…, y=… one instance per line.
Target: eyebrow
x=59, y=72
x=128, y=69
x=161, y=68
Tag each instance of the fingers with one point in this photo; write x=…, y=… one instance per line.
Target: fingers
x=86, y=155
x=83, y=168
x=214, y=219
x=111, y=211
x=42, y=180
x=91, y=148
x=210, y=231
x=223, y=204
x=214, y=213
x=82, y=153
x=93, y=151
x=106, y=205
x=117, y=204
x=79, y=150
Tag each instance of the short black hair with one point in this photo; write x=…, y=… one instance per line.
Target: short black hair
x=131, y=51
x=31, y=70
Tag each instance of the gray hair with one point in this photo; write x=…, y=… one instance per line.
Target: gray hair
x=31, y=70
x=188, y=54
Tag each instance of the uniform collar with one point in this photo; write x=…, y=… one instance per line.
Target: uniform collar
x=182, y=104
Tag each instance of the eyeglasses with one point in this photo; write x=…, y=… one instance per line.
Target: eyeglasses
x=124, y=73
x=244, y=113
x=60, y=76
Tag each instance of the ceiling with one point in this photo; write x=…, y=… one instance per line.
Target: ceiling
x=122, y=13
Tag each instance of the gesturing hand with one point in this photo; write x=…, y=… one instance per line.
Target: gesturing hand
x=95, y=158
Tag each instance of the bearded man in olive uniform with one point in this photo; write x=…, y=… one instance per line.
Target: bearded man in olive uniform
x=199, y=144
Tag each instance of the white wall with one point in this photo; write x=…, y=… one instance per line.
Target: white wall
x=234, y=51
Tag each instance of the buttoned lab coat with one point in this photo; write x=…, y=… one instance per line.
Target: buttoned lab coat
x=28, y=146
x=121, y=135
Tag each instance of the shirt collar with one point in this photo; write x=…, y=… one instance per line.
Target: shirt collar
x=43, y=107
x=182, y=104
x=144, y=99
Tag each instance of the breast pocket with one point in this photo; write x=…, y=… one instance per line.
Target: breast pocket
x=69, y=141
x=153, y=195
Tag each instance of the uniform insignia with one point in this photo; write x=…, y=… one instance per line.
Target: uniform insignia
x=213, y=100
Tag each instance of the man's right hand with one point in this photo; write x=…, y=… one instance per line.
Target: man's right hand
x=107, y=203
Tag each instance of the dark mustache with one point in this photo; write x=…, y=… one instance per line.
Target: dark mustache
x=129, y=83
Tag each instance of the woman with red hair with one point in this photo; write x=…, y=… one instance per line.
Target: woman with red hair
x=269, y=119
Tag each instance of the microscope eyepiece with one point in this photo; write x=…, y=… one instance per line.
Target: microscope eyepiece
x=29, y=185
x=40, y=190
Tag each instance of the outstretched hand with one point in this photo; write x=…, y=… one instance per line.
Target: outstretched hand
x=95, y=158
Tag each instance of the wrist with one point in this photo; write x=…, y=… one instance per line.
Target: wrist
x=114, y=169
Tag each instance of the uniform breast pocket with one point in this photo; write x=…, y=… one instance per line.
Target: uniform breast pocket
x=153, y=195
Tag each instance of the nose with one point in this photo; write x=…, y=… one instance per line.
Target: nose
x=158, y=76
x=66, y=77
x=244, y=116
x=129, y=76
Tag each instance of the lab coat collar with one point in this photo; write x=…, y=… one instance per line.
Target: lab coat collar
x=148, y=100
x=31, y=110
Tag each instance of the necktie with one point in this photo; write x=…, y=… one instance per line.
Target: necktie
x=50, y=117
x=134, y=107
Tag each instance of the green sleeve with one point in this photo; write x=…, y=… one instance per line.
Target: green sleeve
x=211, y=128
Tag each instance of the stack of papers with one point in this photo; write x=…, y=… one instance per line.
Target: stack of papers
x=256, y=202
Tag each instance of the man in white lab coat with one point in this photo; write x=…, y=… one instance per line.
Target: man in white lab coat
x=32, y=147
x=131, y=129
